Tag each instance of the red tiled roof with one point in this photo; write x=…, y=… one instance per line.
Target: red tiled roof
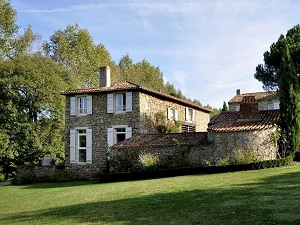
x=163, y=140
x=232, y=122
x=259, y=96
x=127, y=85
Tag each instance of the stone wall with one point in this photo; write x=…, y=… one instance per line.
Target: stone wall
x=258, y=143
x=29, y=172
x=223, y=148
x=150, y=105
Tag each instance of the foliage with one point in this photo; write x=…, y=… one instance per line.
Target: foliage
x=166, y=126
x=149, y=161
x=289, y=92
x=225, y=107
x=269, y=73
x=31, y=111
x=74, y=49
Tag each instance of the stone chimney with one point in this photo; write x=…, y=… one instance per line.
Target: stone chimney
x=104, y=76
x=238, y=91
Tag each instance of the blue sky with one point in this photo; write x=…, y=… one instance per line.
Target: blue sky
x=206, y=48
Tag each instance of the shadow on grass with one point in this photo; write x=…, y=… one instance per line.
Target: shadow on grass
x=274, y=200
x=59, y=184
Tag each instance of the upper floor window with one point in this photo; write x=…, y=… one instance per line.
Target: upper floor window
x=172, y=114
x=81, y=105
x=119, y=102
x=237, y=108
x=273, y=106
x=189, y=114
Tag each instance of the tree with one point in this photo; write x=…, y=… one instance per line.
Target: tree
x=289, y=92
x=8, y=29
x=31, y=111
x=268, y=73
x=75, y=50
x=225, y=107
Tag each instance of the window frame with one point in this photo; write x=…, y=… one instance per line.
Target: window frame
x=76, y=147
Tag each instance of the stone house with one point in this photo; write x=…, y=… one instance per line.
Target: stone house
x=99, y=117
x=243, y=133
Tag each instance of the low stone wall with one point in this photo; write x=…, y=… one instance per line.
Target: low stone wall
x=25, y=173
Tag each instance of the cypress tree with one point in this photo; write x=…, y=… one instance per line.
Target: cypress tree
x=289, y=92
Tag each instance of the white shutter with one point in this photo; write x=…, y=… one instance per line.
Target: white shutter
x=72, y=106
x=110, y=103
x=128, y=101
x=89, y=104
x=128, y=132
x=72, y=146
x=186, y=113
x=169, y=113
x=110, y=136
x=89, y=145
x=193, y=115
x=176, y=114
x=276, y=105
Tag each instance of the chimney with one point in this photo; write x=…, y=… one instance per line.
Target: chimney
x=238, y=91
x=104, y=76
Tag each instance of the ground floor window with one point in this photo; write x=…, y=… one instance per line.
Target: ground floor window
x=81, y=145
x=188, y=128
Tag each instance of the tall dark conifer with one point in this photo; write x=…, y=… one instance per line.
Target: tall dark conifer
x=289, y=92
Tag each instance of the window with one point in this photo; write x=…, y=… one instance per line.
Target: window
x=117, y=134
x=81, y=145
x=172, y=114
x=119, y=102
x=273, y=106
x=237, y=108
x=81, y=105
x=189, y=114
x=186, y=128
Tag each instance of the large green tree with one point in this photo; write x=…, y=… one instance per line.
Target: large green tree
x=31, y=111
x=289, y=91
x=268, y=73
x=74, y=48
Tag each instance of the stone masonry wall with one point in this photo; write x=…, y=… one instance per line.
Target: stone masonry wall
x=256, y=143
x=151, y=105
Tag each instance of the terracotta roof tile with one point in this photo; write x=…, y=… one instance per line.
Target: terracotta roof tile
x=127, y=85
x=163, y=140
x=232, y=122
x=259, y=96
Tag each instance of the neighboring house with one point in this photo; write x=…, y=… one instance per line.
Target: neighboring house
x=99, y=117
x=265, y=100
x=233, y=136
x=248, y=126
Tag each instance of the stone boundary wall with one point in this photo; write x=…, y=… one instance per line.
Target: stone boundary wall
x=26, y=172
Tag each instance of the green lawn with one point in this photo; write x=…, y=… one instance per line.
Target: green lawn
x=270, y=196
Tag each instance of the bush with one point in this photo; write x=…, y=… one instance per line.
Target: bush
x=149, y=161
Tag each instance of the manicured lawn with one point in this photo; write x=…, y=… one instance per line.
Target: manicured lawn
x=270, y=196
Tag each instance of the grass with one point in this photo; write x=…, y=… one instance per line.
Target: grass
x=270, y=196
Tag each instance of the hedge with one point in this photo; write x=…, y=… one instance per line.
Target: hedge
x=115, y=177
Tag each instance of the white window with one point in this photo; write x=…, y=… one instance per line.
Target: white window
x=117, y=134
x=170, y=113
x=81, y=145
x=81, y=105
x=189, y=114
x=270, y=106
x=119, y=102
x=237, y=108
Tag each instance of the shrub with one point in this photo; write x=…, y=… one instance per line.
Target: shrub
x=149, y=161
